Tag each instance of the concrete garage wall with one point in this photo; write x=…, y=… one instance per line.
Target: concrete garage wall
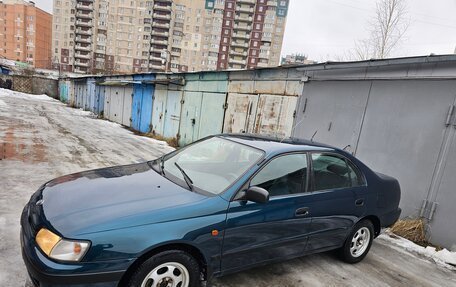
x=397, y=119
x=34, y=85
x=262, y=101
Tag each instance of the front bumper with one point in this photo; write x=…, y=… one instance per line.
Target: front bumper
x=44, y=272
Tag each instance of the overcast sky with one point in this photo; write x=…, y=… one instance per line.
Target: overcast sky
x=325, y=29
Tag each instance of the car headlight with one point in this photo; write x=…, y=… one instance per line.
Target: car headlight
x=61, y=249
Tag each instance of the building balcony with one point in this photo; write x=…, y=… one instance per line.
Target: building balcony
x=160, y=25
x=84, y=15
x=155, y=58
x=263, y=56
x=241, y=36
x=243, y=18
x=245, y=9
x=81, y=64
x=272, y=3
x=84, y=24
x=236, y=53
x=266, y=38
x=83, y=32
x=83, y=40
x=162, y=7
x=164, y=1
x=262, y=64
x=157, y=67
x=246, y=2
x=243, y=27
x=83, y=48
x=159, y=33
x=239, y=44
x=100, y=51
x=82, y=56
x=162, y=16
x=236, y=61
x=84, y=7
x=159, y=42
x=175, y=53
x=157, y=50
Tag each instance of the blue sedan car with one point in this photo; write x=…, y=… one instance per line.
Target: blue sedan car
x=223, y=204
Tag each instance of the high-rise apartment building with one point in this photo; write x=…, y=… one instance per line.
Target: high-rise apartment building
x=25, y=33
x=167, y=35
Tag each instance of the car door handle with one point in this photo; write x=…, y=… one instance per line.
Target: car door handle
x=303, y=211
x=359, y=202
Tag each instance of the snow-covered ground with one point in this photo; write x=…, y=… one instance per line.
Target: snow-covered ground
x=41, y=138
x=443, y=257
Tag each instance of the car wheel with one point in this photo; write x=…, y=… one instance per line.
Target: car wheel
x=358, y=242
x=172, y=268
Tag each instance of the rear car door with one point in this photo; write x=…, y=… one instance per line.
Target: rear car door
x=278, y=229
x=336, y=201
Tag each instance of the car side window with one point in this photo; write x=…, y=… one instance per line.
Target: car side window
x=283, y=175
x=332, y=172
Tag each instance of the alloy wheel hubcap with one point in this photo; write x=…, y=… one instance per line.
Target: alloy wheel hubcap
x=171, y=274
x=360, y=242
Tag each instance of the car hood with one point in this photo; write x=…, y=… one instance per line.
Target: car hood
x=111, y=198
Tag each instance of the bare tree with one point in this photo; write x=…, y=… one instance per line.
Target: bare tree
x=387, y=29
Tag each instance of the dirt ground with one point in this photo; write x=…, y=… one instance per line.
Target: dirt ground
x=41, y=139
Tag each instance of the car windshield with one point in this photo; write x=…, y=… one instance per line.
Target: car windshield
x=211, y=165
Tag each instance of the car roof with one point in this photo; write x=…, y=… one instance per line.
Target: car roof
x=274, y=145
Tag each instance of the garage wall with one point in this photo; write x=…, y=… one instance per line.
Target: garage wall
x=396, y=124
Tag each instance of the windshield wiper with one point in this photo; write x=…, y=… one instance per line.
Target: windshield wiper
x=187, y=179
x=162, y=165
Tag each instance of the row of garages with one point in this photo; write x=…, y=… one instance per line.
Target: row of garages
x=396, y=115
x=190, y=106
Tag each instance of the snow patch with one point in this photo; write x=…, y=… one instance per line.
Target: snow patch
x=442, y=257
x=3, y=104
x=9, y=94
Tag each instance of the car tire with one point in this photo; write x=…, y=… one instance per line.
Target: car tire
x=358, y=242
x=175, y=267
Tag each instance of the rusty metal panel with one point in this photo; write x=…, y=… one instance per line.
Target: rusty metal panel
x=213, y=86
x=92, y=103
x=80, y=90
x=193, y=85
x=270, y=87
x=294, y=88
x=241, y=86
x=127, y=105
x=158, y=112
x=241, y=75
x=332, y=112
x=107, y=102
x=212, y=113
x=275, y=115
x=403, y=134
x=240, y=113
x=271, y=74
x=172, y=114
x=191, y=111
x=116, y=104
x=63, y=91
x=70, y=86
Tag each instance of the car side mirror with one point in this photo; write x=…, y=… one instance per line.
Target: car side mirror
x=257, y=194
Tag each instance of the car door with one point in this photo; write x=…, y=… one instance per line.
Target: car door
x=278, y=229
x=336, y=200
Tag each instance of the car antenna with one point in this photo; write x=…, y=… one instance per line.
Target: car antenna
x=293, y=128
x=315, y=133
